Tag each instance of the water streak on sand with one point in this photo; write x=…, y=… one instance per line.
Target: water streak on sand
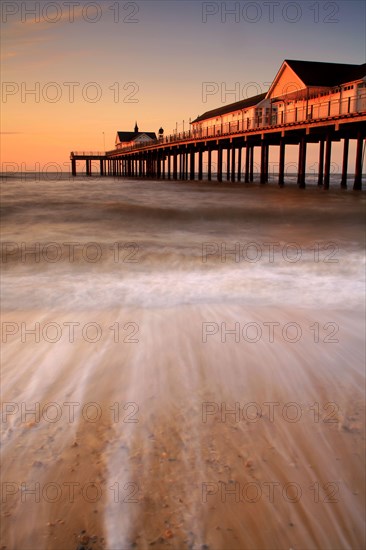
x=164, y=430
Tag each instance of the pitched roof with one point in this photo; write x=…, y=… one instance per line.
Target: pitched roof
x=243, y=104
x=131, y=136
x=316, y=73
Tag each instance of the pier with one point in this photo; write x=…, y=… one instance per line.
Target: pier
x=308, y=102
x=180, y=156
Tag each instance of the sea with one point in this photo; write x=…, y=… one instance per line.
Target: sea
x=183, y=364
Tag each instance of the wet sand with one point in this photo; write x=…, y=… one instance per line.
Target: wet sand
x=172, y=403
x=170, y=469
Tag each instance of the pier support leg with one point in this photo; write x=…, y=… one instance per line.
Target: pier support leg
x=191, y=164
x=169, y=166
x=321, y=162
x=345, y=163
x=181, y=166
x=228, y=163
x=263, y=162
x=247, y=159
x=175, y=165
x=266, y=164
x=251, y=164
x=200, y=165
x=328, y=152
x=219, y=163
x=302, y=163
x=209, y=163
x=233, y=163
x=73, y=167
x=281, y=173
x=149, y=165
x=239, y=163
x=357, y=184
x=158, y=165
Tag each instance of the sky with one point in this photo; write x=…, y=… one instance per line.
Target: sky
x=75, y=73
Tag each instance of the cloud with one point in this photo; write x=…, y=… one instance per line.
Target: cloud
x=21, y=34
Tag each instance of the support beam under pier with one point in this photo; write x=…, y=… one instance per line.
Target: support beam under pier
x=302, y=163
x=357, y=185
x=209, y=163
x=233, y=162
x=328, y=153
x=281, y=173
x=247, y=162
x=239, y=163
x=321, y=163
x=200, y=165
x=219, y=163
x=345, y=164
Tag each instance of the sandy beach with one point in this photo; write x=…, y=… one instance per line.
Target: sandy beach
x=211, y=422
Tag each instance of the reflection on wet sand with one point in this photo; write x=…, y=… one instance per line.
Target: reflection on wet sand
x=179, y=401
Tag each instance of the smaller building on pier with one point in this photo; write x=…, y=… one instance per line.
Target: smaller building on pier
x=128, y=139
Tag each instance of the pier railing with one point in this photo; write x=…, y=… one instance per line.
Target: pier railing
x=89, y=153
x=314, y=112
